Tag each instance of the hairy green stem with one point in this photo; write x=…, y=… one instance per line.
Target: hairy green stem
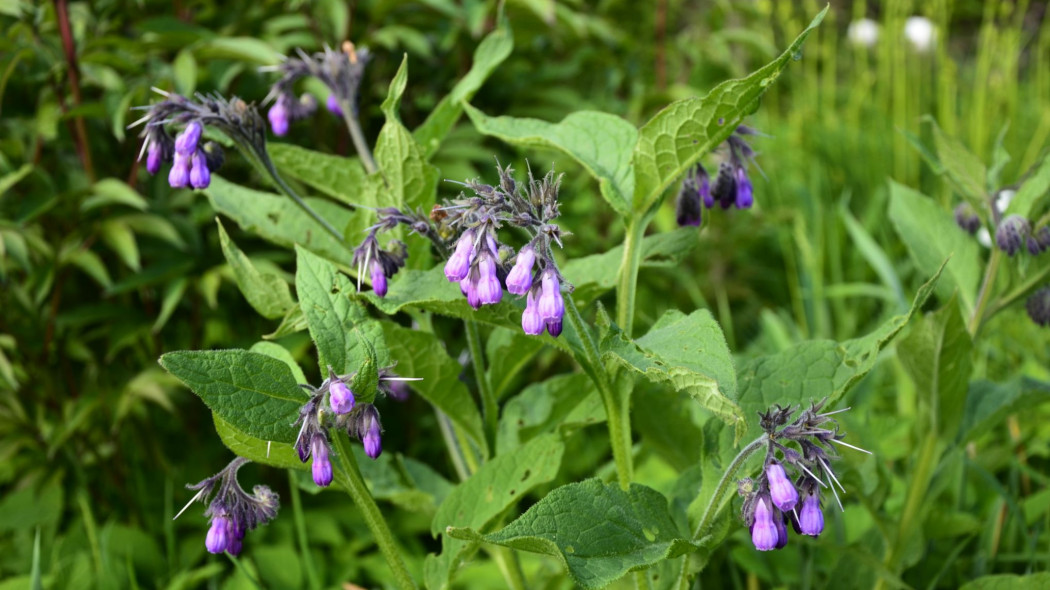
x=627, y=281
x=990, y=272
x=300, y=532
x=507, y=562
x=350, y=478
x=281, y=184
x=617, y=417
x=730, y=474
x=240, y=567
x=358, y=137
x=488, y=398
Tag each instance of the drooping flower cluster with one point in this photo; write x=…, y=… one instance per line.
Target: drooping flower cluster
x=479, y=262
x=232, y=511
x=731, y=186
x=380, y=264
x=341, y=71
x=193, y=160
x=359, y=420
x=774, y=499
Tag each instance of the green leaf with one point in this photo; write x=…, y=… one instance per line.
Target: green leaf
x=931, y=236
x=255, y=393
x=184, y=70
x=965, y=170
x=119, y=237
x=12, y=178
x=410, y=180
x=495, y=486
x=563, y=402
x=508, y=352
x=268, y=294
x=936, y=353
x=988, y=403
x=1034, y=189
x=1009, y=582
x=675, y=139
x=293, y=322
x=173, y=293
x=365, y=380
x=277, y=454
x=238, y=49
x=337, y=324
x=274, y=350
x=490, y=53
x=598, y=531
x=341, y=178
x=687, y=353
x=421, y=354
x=277, y=219
x=601, y=142
x=90, y=262
x=110, y=191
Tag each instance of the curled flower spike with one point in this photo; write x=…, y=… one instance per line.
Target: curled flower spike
x=232, y=511
x=341, y=71
x=380, y=264
x=816, y=437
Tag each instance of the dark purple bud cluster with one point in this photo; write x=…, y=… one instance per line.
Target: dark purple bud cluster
x=379, y=264
x=966, y=217
x=359, y=420
x=731, y=187
x=232, y=511
x=774, y=498
x=1038, y=306
x=1012, y=233
x=193, y=160
x=341, y=71
x=479, y=262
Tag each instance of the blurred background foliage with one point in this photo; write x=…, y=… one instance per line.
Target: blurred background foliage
x=103, y=268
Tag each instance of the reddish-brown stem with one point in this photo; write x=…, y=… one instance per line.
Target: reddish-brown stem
x=80, y=130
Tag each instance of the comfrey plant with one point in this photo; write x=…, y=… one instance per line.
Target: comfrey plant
x=479, y=261
x=489, y=239
x=773, y=499
x=731, y=187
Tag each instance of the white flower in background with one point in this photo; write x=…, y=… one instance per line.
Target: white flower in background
x=984, y=237
x=920, y=32
x=863, y=32
x=1002, y=200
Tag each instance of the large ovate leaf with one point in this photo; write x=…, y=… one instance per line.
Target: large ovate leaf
x=496, y=485
x=490, y=53
x=963, y=168
x=687, y=353
x=599, y=531
x=338, y=177
x=253, y=392
x=277, y=454
x=278, y=219
x=676, y=137
x=410, y=181
x=936, y=353
x=339, y=326
x=931, y=235
x=1009, y=582
x=421, y=354
x=268, y=294
x=601, y=142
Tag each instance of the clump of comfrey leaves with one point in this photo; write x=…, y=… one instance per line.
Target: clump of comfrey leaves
x=773, y=499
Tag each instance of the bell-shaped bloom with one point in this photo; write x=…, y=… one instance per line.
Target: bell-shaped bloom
x=187, y=139
x=810, y=518
x=322, y=466
x=489, y=289
x=279, y=118
x=200, y=176
x=340, y=397
x=519, y=279
x=764, y=532
x=154, y=158
x=552, y=306
x=745, y=193
x=179, y=176
x=218, y=538
x=458, y=264
x=379, y=285
x=531, y=322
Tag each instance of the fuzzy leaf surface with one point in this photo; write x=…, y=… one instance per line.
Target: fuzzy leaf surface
x=676, y=137
x=598, y=531
x=964, y=169
x=267, y=294
x=255, y=393
x=601, y=142
x=411, y=181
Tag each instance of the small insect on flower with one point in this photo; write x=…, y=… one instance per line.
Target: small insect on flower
x=773, y=497
x=232, y=511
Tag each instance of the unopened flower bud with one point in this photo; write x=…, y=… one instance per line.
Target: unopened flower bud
x=458, y=264
x=279, y=117
x=1038, y=306
x=811, y=519
x=1011, y=234
x=782, y=531
x=333, y=105
x=200, y=176
x=186, y=141
x=967, y=218
x=379, y=285
x=154, y=157
x=687, y=206
x=179, y=175
x=781, y=490
x=744, y=191
x=372, y=439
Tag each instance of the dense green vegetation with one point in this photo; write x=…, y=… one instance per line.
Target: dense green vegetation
x=849, y=279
